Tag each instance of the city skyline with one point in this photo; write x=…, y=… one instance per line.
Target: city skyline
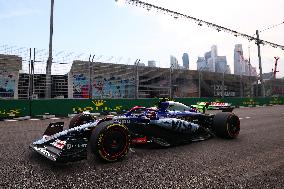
x=212, y=62
x=128, y=33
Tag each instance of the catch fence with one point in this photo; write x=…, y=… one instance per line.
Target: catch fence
x=22, y=76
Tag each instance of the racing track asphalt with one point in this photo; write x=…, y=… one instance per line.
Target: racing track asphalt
x=254, y=160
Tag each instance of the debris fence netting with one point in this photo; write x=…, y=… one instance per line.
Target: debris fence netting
x=24, y=77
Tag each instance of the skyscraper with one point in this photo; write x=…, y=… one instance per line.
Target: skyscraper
x=228, y=70
x=211, y=65
x=212, y=62
x=152, y=63
x=238, y=53
x=221, y=64
x=185, y=60
x=201, y=63
x=174, y=62
x=242, y=66
x=214, y=52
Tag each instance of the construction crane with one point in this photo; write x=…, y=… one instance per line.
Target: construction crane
x=275, y=67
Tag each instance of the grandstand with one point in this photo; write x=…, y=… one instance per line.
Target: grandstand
x=99, y=80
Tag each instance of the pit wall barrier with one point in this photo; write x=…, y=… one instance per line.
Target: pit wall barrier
x=64, y=107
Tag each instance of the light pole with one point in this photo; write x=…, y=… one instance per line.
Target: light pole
x=90, y=76
x=49, y=60
x=258, y=42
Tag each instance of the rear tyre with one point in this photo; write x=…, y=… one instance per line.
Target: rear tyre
x=81, y=119
x=226, y=125
x=110, y=141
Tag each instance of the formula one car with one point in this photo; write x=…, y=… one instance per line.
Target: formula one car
x=224, y=106
x=169, y=124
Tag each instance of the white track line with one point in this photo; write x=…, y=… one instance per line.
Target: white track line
x=34, y=119
x=247, y=117
x=241, y=118
x=54, y=118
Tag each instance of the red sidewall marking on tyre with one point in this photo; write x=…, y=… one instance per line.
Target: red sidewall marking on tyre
x=104, y=152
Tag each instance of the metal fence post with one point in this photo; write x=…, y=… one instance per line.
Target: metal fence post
x=90, y=93
x=223, y=84
x=136, y=78
x=199, y=83
x=171, y=83
x=241, y=86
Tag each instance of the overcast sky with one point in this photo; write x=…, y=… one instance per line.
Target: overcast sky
x=126, y=32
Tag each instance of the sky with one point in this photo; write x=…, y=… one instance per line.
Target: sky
x=122, y=33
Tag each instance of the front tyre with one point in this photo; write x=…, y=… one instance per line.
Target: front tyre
x=226, y=125
x=110, y=141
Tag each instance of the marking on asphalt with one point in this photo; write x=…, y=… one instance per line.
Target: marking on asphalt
x=55, y=118
x=10, y=120
x=34, y=119
x=241, y=118
x=247, y=117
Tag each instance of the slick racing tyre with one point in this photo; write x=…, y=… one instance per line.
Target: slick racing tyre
x=80, y=119
x=110, y=141
x=226, y=125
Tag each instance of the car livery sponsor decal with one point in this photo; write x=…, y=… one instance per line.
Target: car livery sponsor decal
x=176, y=112
x=79, y=145
x=123, y=121
x=59, y=144
x=176, y=125
x=219, y=104
x=139, y=140
x=44, y=152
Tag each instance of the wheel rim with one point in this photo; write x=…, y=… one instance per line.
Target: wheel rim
x=114, y=143
x=233, y=126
